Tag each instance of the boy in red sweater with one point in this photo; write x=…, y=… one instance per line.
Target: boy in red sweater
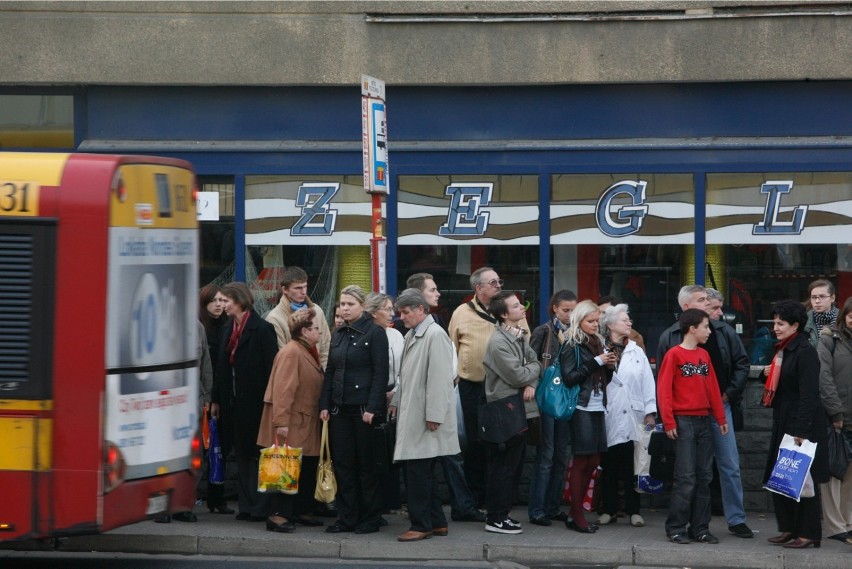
x=687, y=392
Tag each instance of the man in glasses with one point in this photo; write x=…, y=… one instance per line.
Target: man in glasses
x=730, y=362
x=470, y=328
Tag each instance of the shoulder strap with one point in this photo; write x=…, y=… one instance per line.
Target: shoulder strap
x=482, y=315
x=577, y=355
x=545, y=355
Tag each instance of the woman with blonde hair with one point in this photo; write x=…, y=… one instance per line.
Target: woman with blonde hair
x=587, y=363
x=353, y=400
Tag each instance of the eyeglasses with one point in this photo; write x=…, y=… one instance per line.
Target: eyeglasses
x=820, y=296
x=494, y=282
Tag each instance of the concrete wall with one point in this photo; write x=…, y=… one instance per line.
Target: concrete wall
x=421, y=43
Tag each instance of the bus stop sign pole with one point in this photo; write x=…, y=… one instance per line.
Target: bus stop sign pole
x=375, y=153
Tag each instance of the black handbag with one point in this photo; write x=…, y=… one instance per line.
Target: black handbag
x=502, y=419
x=384, y=441
x=839, y=453
x=662, y=451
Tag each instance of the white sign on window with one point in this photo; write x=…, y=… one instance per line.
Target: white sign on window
x=207, y=204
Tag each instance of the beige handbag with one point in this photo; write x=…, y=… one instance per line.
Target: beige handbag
x=326, y=484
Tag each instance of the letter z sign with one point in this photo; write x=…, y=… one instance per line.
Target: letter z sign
x=317, y=217
x=465, y=216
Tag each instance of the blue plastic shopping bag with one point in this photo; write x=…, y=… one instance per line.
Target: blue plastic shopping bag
x=216, y=475
x=645, y=483
x=791, y=468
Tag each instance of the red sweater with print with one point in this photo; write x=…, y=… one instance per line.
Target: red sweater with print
x=686, y=385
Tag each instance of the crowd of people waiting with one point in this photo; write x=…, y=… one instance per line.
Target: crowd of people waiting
x=277, y=379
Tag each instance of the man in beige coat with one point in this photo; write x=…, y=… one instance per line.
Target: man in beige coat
x=294, y=296
x=426, y=411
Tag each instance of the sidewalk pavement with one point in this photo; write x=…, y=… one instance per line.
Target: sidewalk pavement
x=613, y=545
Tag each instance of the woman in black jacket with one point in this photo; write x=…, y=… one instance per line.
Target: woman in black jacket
x=793, y=394
x=353, y=399
x=211, y=314
x=585, y=363
x=247, y=350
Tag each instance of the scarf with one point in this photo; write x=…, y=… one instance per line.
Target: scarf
x=599, y=374
x=236, y=332
x=616, y=348
x=560, y=329
x=827, y=318
x=294, y=306
x=311, y=350
x=515, y=331
x=774, y=373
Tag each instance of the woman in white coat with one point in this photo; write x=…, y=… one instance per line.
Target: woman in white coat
x=631, y=403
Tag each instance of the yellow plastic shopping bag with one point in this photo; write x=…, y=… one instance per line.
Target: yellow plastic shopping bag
x=279, y=469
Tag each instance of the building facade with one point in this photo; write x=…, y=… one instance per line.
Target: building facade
x=621, y=148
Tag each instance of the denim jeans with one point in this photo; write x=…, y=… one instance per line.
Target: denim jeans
x=693, y=471
x=461, y=500
x=728, y=463
x=551, y=461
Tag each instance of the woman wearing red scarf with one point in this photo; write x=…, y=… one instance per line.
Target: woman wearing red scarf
x=291, y=415
x=249, y=345
x=792, y=390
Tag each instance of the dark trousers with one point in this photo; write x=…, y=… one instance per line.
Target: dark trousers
x=359, y=503
x=424, y=500
x=303, y=503
x=502, y=465
x=471, y=394
x=690, y=502
x=802, y=519
x=249, y=499
x=617, y=465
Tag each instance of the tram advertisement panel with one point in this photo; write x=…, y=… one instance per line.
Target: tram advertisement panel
x=152, y=414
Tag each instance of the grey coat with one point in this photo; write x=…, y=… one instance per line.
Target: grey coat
x=510, y=364
x=835, y=376
x=426, y=393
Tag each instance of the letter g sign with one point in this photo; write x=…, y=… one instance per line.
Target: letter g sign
x=629, y=217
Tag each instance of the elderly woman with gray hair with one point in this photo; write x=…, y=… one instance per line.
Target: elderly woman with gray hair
x=631, y=403
x=380, y=307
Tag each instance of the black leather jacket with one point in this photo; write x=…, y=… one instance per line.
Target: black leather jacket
x=357, y=370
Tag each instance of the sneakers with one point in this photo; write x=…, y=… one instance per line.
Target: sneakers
x=706, y=537
x=679, y=539
x=605, y=519
x=506, y=526
x=741, y=530
x=637, y=521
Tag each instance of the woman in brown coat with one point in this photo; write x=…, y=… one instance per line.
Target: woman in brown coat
x=291, y=414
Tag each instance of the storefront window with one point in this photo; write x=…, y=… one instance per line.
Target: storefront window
x=449, y=226
x=216, y=213
x=768, y=237
x=36, y=121
x=318, y=223
x=629, y=236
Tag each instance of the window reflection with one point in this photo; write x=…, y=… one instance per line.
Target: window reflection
x=36, y=121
